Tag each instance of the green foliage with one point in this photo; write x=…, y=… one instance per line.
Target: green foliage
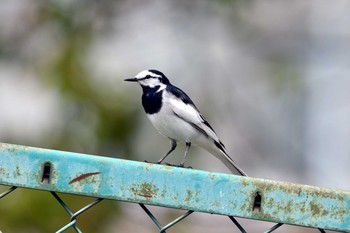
x=36, y=211
x=95, y=119
x=96, y=112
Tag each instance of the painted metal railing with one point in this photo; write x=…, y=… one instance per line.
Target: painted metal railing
x=166, y=186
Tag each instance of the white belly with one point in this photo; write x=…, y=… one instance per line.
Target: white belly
x=171, y=126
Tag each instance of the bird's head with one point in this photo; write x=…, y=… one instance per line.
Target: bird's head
x=150, y=78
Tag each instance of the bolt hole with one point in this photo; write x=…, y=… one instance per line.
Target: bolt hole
x=257, y=202
x=46, y=173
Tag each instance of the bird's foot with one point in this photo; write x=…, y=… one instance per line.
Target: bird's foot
x=178, y=165
x=151, y=162
x=169, y=164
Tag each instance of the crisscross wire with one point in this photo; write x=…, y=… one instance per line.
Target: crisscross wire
x=159, y=225
x=177, y=220
x=274, y=228
x=73, y=216
x=239, y=226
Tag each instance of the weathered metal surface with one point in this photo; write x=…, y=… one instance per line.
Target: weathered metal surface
x=173, y=187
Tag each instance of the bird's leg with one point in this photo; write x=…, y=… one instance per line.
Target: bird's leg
x=188, y=145
x=173, y=146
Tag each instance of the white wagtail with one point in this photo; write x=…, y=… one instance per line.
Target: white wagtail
x=176, y=117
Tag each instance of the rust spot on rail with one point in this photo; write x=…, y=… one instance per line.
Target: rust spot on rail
x=83, y=176
x=146, y=190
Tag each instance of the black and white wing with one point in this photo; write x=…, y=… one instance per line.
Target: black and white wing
x=184, y=108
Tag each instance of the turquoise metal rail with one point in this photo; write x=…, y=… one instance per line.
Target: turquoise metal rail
x=188, y=189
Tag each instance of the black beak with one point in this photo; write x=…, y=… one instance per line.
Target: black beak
x=131, y=79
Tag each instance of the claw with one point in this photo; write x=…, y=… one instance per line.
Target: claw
x=169, y=164
x=178, y=165
x=151, y=162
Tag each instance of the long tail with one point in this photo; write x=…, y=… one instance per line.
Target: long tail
x=218, y=150
x=230, y=164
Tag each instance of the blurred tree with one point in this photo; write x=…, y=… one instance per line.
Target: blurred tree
x=95, y=109
x=95, y=119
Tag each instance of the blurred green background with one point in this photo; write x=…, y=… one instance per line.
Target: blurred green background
x=272, y=77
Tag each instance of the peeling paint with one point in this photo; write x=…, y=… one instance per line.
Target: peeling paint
x=174, y=187
x=83, y=176
x=146, y=190
x=189, y=195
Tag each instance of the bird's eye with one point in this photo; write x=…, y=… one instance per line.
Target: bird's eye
x=148, y=76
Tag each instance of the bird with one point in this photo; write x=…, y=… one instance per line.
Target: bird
x=175, y=116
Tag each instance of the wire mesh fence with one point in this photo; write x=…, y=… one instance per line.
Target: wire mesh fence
x=162, y=228
x=235, y=197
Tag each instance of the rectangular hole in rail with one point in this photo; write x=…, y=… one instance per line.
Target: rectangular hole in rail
x=257, y=202
x=46, y=173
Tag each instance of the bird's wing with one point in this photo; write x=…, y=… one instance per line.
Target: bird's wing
x=185, y=109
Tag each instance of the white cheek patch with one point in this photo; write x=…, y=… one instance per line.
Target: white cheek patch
x=152, y=82
x=149, y=82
